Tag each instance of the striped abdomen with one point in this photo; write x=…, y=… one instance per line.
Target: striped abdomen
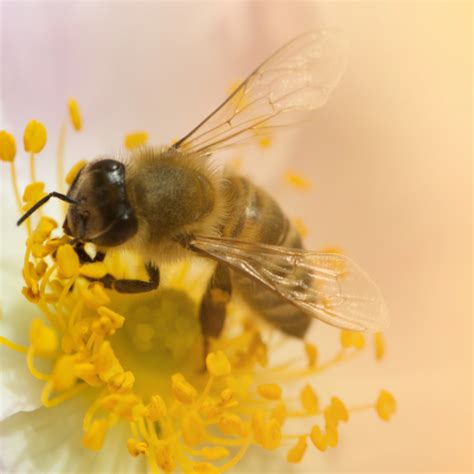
x=255, y=216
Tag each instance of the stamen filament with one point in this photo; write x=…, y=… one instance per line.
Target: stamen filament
x=30, y=363
x=60, y=158
x=32, y=168
x=13, y=345
x=52, y=402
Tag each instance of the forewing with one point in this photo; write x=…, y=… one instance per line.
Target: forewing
x=299, y=76
x=329, y=287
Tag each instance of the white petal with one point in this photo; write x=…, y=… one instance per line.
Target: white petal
x=49, y=440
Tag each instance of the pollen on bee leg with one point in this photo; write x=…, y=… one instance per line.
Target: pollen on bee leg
x=135, y=140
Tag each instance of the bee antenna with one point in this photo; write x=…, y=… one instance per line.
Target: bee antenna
x=34, y=208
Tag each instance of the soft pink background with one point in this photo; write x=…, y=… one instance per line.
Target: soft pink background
x=389, y=158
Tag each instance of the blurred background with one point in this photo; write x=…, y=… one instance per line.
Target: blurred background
x=389, y=159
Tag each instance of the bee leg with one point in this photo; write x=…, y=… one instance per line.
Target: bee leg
x=134, y=286
x=214, y=305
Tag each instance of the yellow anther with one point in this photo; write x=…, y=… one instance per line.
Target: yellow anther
x=122, y=405
x=40, y=268
x=339, y=409
x=258, y=423
x=28, y=293
x=297, y=181
x=34, y=192
x=309, y=400
x=44, y=228
x=386, y=405
x=270, y=391
x=205, y=468
x=215, y=453
x=311, y=354
x=318, y=438
x=64, y=374
x=379, y=345
x=280, y=412
x=39, y=251
x=156, y=408
x=271, y=434
x=95, y=296
x=193, y=429
x=135, y=448
x=93, y=270
x=116, y=318
x=73, y=172
x=296, y=453
x=135, y=140
x=68, y=261
x=265, y=142
x=7, y=146
x=107, y=364
x=94, y=437
x=332, y=436
x=74, y=114
x=43, y=338
x=183, y=390
x=227, y=395
x=231, y=424
x=165, y=459
x=352, y=339
x=300, y=227
x=34, y=137
x=218, y=364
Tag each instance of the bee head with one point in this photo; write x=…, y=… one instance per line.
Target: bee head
x=101, y=212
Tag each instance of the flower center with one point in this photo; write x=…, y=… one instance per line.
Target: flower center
x=160, y=332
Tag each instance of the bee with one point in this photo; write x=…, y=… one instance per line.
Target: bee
x=171, y=202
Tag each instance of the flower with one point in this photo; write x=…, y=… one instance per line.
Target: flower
x=133, y=367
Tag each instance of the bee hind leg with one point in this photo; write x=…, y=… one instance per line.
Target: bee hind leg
x=134, y=286
x=213, y=308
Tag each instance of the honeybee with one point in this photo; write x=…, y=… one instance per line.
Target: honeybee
x=169, y=202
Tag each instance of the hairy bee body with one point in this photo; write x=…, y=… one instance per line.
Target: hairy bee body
x=173, y=195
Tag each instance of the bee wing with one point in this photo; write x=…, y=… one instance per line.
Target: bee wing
x=299, y=76
x=327, y=286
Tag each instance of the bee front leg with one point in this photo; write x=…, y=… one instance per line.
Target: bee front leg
x=214, y=304
x=134, y=286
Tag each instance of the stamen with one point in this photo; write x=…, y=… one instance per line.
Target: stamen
x=297, y=181
x=135, y=140
x=34, y=140
x=13, y=346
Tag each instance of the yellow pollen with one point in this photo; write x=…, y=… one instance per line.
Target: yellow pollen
x=94, y=437
x=352, y=339
x=311, y=354
x=270, y=391
x=386, y=405
x=93, y=270
x=7, y=146
x=309, y=400
x=73, y=172
x=218, y=364
x=297, y=181
x=64, y=376
x=43, y=338
x=183, y=390
x=296, y=453
x=379, y=345
x=165, y=459
x=68, y=261
x=318, y=439
x=34, y=137
x=75, y=114
x=117, y=320
x=135, y=140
